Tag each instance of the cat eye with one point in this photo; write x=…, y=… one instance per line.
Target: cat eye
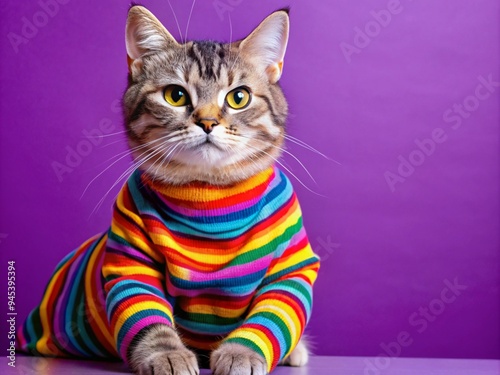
x=239, y=98
x=176, y=96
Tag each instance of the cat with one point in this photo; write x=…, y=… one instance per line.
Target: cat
x=206, y=255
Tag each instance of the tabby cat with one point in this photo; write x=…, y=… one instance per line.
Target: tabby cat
x=206, y=258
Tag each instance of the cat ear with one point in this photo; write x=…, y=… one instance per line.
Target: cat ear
x=266, y=45
x=144, y=33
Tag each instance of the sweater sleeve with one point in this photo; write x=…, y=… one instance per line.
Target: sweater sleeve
x=133, y=275
x=282, y=306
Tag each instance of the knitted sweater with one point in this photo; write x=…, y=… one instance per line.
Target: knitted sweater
x=232, y=264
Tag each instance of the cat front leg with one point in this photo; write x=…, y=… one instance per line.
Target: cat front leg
x=272, y=330
x=231, y=359
x=139, y=310
x=158, y=350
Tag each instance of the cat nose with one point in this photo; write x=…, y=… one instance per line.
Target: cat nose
x=207, y=124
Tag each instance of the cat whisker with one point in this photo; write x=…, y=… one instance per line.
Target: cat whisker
x=109, y=135
x=288, y=170
x=189, y=20
x=230, y=41
x=144, y=121
x=156, y=163
x=180, y=137
x=126, y=153
x=298, y=161
x=308, y=147
x=293, y=156
x=101, y=201
x=178, y=150
x=235, y=60
x=239, y=164
x=167, y=150
x=157, y=168
x=230, y=28
x=121, y=140
x=165, y=157
x=162, y=148
x=126, y=174
x=176, y=20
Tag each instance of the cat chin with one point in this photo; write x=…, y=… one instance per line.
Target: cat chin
x=178, y=173
x=207, y=155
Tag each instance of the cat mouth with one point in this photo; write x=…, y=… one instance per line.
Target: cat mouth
x=205, y=143
x=212, y=144
x=208, y=142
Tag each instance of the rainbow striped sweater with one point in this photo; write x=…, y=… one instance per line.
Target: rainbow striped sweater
x=231, y=264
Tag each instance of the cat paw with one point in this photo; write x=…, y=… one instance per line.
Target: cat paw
x=235, y=359
x=158, y=350
x=171, y=362
x=298, y=357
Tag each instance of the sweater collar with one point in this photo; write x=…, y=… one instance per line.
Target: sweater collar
x=199, y=198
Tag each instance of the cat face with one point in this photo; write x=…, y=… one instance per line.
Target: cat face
x=204, y=111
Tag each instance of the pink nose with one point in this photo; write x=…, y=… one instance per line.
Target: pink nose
x=207, y=124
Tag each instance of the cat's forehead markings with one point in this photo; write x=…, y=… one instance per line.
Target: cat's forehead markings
x=209, y=58
x=194, y=77
x=230, y=77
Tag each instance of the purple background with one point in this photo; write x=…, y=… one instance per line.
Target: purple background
x=385, y=253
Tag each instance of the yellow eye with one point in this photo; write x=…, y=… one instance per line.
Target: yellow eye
x=176, y=96
x=239, y=98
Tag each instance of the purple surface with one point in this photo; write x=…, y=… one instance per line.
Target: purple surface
x=316, y=366
x=387, y=255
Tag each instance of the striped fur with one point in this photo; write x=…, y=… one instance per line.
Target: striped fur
x=244, y=143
